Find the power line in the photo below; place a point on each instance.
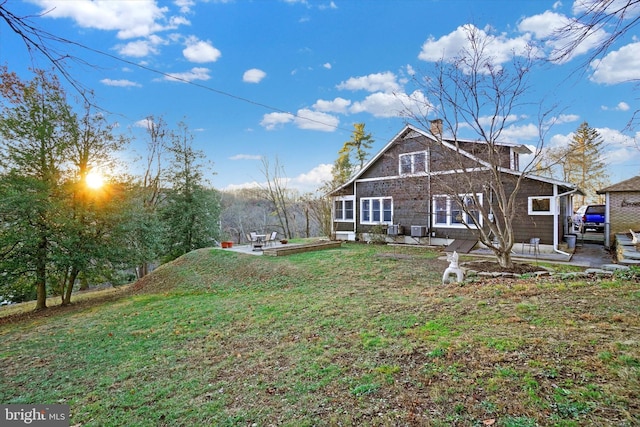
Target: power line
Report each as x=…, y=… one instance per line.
x=35, y=38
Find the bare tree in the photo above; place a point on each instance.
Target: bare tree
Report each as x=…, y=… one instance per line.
x=55, y=49
x=473, y=94
x=603, y=20
x=146, y=244
x=619, y=17
x=275, y=191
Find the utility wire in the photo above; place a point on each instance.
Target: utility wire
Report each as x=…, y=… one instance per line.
x=35, y=38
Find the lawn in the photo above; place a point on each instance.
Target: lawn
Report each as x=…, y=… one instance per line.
x=361, y=335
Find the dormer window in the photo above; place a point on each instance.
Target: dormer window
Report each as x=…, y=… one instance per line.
x=413, y=163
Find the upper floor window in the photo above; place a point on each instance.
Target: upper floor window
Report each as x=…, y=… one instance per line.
x=412, y=163
x=376, y=210
x=343, y=209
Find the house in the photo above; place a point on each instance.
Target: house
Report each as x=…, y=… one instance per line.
x=412, y=190
x=622, y=204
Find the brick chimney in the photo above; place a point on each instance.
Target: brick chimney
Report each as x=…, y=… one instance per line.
x=436, y=127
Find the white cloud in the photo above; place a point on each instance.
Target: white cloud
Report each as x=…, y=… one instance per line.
x=499, y=48
x=327, y=65
x=331, y=5
x=252, y=184
x=130, y=19
x=185, y=5
x=200, y=51
x=304, y=119
x=619, y=148
x=566, y=118
x=547, y=26
x=253, y=75
x=338, y=105
x=196, y=73
x=487, y=120
x=246, y=157
x=313, y=179
x=410, y=70
x=306, y=182
x=316, y=120
x=385, y=82
x=543, y=25
x=141, y=48
x=516, y=134
x=272, y=121
x=144, y=123
x=383, y=104
x=618, y=66
x=119, y=83
x=622, y=106
x=621, y=8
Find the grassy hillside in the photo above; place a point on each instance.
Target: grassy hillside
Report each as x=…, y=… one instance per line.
x=362, y=335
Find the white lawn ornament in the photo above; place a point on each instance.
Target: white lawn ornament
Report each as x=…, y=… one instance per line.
x=453, y=268
x=634, y=237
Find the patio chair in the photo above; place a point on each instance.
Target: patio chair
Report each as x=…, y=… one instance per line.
x=271, y=239
x=257, y=240
x=534, y=243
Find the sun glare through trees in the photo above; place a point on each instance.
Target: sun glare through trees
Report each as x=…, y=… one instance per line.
x=94, y=180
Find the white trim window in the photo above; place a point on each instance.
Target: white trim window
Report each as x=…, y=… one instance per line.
x=541, y=205
x=413, y=163
x=343, y=209
x=448, y=212
x=376, y=210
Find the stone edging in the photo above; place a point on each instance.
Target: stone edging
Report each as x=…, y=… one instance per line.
x=606, y=270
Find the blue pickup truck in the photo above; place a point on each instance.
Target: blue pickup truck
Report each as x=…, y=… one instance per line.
x=589, y=216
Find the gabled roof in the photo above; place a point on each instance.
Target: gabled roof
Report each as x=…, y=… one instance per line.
x=631, y=184
x=449, y=143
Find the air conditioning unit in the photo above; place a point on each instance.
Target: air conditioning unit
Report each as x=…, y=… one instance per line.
x=395, y=230
x=418, y=231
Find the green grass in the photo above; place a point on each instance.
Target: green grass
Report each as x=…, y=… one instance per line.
x=362, y=335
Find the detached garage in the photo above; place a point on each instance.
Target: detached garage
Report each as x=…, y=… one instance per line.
x=623, y=208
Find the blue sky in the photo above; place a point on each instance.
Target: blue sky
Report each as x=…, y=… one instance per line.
x=244, y=65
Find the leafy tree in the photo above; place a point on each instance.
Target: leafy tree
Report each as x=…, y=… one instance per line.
x=471, y=93
x=342, y=169
x=583, y=164
x=92, y=146
x=357, y=147
x=36, y=127
x=141, y=231
x=54, y=227
x=191, y=212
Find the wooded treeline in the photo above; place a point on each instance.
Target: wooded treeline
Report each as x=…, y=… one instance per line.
x=71, y=216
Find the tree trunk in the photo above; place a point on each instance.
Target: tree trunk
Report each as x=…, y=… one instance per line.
x=41, y=301
x=504, y=259
x=84, y=283
x=142, y=270
x=66, y=300
x=41, y=275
